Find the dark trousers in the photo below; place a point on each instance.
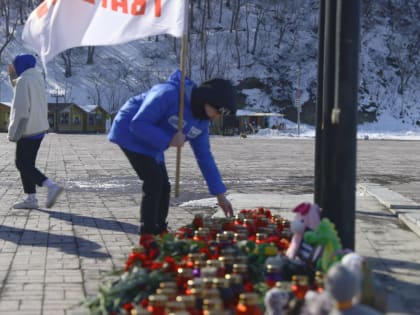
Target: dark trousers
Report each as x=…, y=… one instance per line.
x=26, y=152
x=156, y=192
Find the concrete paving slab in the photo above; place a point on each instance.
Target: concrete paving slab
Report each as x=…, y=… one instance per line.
x=391, y=199
x=59, y=256
x=407, y=210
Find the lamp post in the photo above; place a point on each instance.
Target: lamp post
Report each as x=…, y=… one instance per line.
x=335, y=156
x=57, y=92
x=298, y=105
x=298, y=102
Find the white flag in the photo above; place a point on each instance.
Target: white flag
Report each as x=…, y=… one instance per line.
x=57, y=25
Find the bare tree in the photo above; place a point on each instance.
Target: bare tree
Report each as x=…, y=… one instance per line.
x=237, y=49
x=235, y=26
x=208, y=9
x=220, y=11
x=285, y=16
x=403, y=46
x=68, y=91
x=90, y=54
x=247, y=28
x=10, y=24
x=191, y=15
x=219, y=61
x=96, y=88
x=203, y=25
x=235, y=15
x=114, y=97
x=260, y=13
x=66, y=56
x=204, y=42
x=21, y=7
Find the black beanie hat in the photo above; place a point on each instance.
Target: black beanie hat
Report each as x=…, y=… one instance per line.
x=218, y=93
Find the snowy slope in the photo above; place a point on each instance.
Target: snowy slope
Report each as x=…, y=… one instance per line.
x=284, y=60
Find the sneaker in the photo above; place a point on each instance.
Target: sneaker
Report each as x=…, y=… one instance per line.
x=26, y=204
x=52, y=195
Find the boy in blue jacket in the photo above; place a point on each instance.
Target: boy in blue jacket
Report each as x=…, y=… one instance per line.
x=147, y=125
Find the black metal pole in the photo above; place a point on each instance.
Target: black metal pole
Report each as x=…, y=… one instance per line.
x=325, y=99
x=319, y=101
x=340, y=113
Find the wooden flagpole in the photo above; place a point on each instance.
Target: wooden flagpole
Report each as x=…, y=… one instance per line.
x=181, y=98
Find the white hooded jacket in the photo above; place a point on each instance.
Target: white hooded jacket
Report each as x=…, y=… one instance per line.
x=29, y=111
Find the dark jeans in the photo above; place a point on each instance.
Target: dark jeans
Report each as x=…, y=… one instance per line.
x=26, y=152
x=156, y=192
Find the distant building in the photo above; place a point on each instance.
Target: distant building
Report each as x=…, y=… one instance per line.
x=71, y=117
x=247, y=122
x=4, y=115
x=66, y=117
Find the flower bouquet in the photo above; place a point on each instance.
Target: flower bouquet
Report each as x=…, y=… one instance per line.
x=216, y=266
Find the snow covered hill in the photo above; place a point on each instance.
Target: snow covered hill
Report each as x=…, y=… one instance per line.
x=268, y=48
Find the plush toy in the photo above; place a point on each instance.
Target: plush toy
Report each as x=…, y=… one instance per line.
x=275, y=301
x=343, y=286
x=354, y=262
x=300, y=256
x=370, y=293
x=307, y=217
x=326, y=236
x=317, y=303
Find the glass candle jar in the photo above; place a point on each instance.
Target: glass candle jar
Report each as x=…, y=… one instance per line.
x=213, y=304
x=260, y=238
x=235, y=282
x=225, y=290
x=318, y=281
x=183, y=275
x=242, y=270
x=248, y=304
x=227, y=262
x=157, y=304
x=202, y=234
x=272, y=275
x=300, y=285
x=169, y=292
x=190, y=304
x=218, y=265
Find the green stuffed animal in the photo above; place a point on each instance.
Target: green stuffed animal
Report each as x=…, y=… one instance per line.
x=325, y=235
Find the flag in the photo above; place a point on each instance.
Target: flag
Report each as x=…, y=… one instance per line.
x=57, y=25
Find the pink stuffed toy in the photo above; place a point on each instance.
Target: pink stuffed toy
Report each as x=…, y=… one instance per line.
x=307, y=217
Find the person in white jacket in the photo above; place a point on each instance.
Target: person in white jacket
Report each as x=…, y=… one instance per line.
x=27, y=127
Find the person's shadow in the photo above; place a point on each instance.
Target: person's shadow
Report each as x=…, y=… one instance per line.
x=69, y=244
x=103, y=224
x=397, y=278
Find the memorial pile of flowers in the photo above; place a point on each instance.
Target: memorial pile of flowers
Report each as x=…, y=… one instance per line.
x=217, y=266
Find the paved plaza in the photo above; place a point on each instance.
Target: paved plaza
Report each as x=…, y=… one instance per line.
x=51, y=259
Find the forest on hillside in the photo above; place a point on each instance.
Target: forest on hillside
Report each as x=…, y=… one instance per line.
x=268, y=47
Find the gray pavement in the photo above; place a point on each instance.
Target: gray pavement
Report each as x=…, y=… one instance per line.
x=51, y=259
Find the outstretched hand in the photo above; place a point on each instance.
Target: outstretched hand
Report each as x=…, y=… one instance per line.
x=225, y=204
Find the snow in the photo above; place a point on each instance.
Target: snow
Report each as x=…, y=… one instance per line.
x=257, y=99
x=386, y=128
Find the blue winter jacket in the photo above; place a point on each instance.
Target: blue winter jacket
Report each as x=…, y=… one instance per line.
x=147, y=122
